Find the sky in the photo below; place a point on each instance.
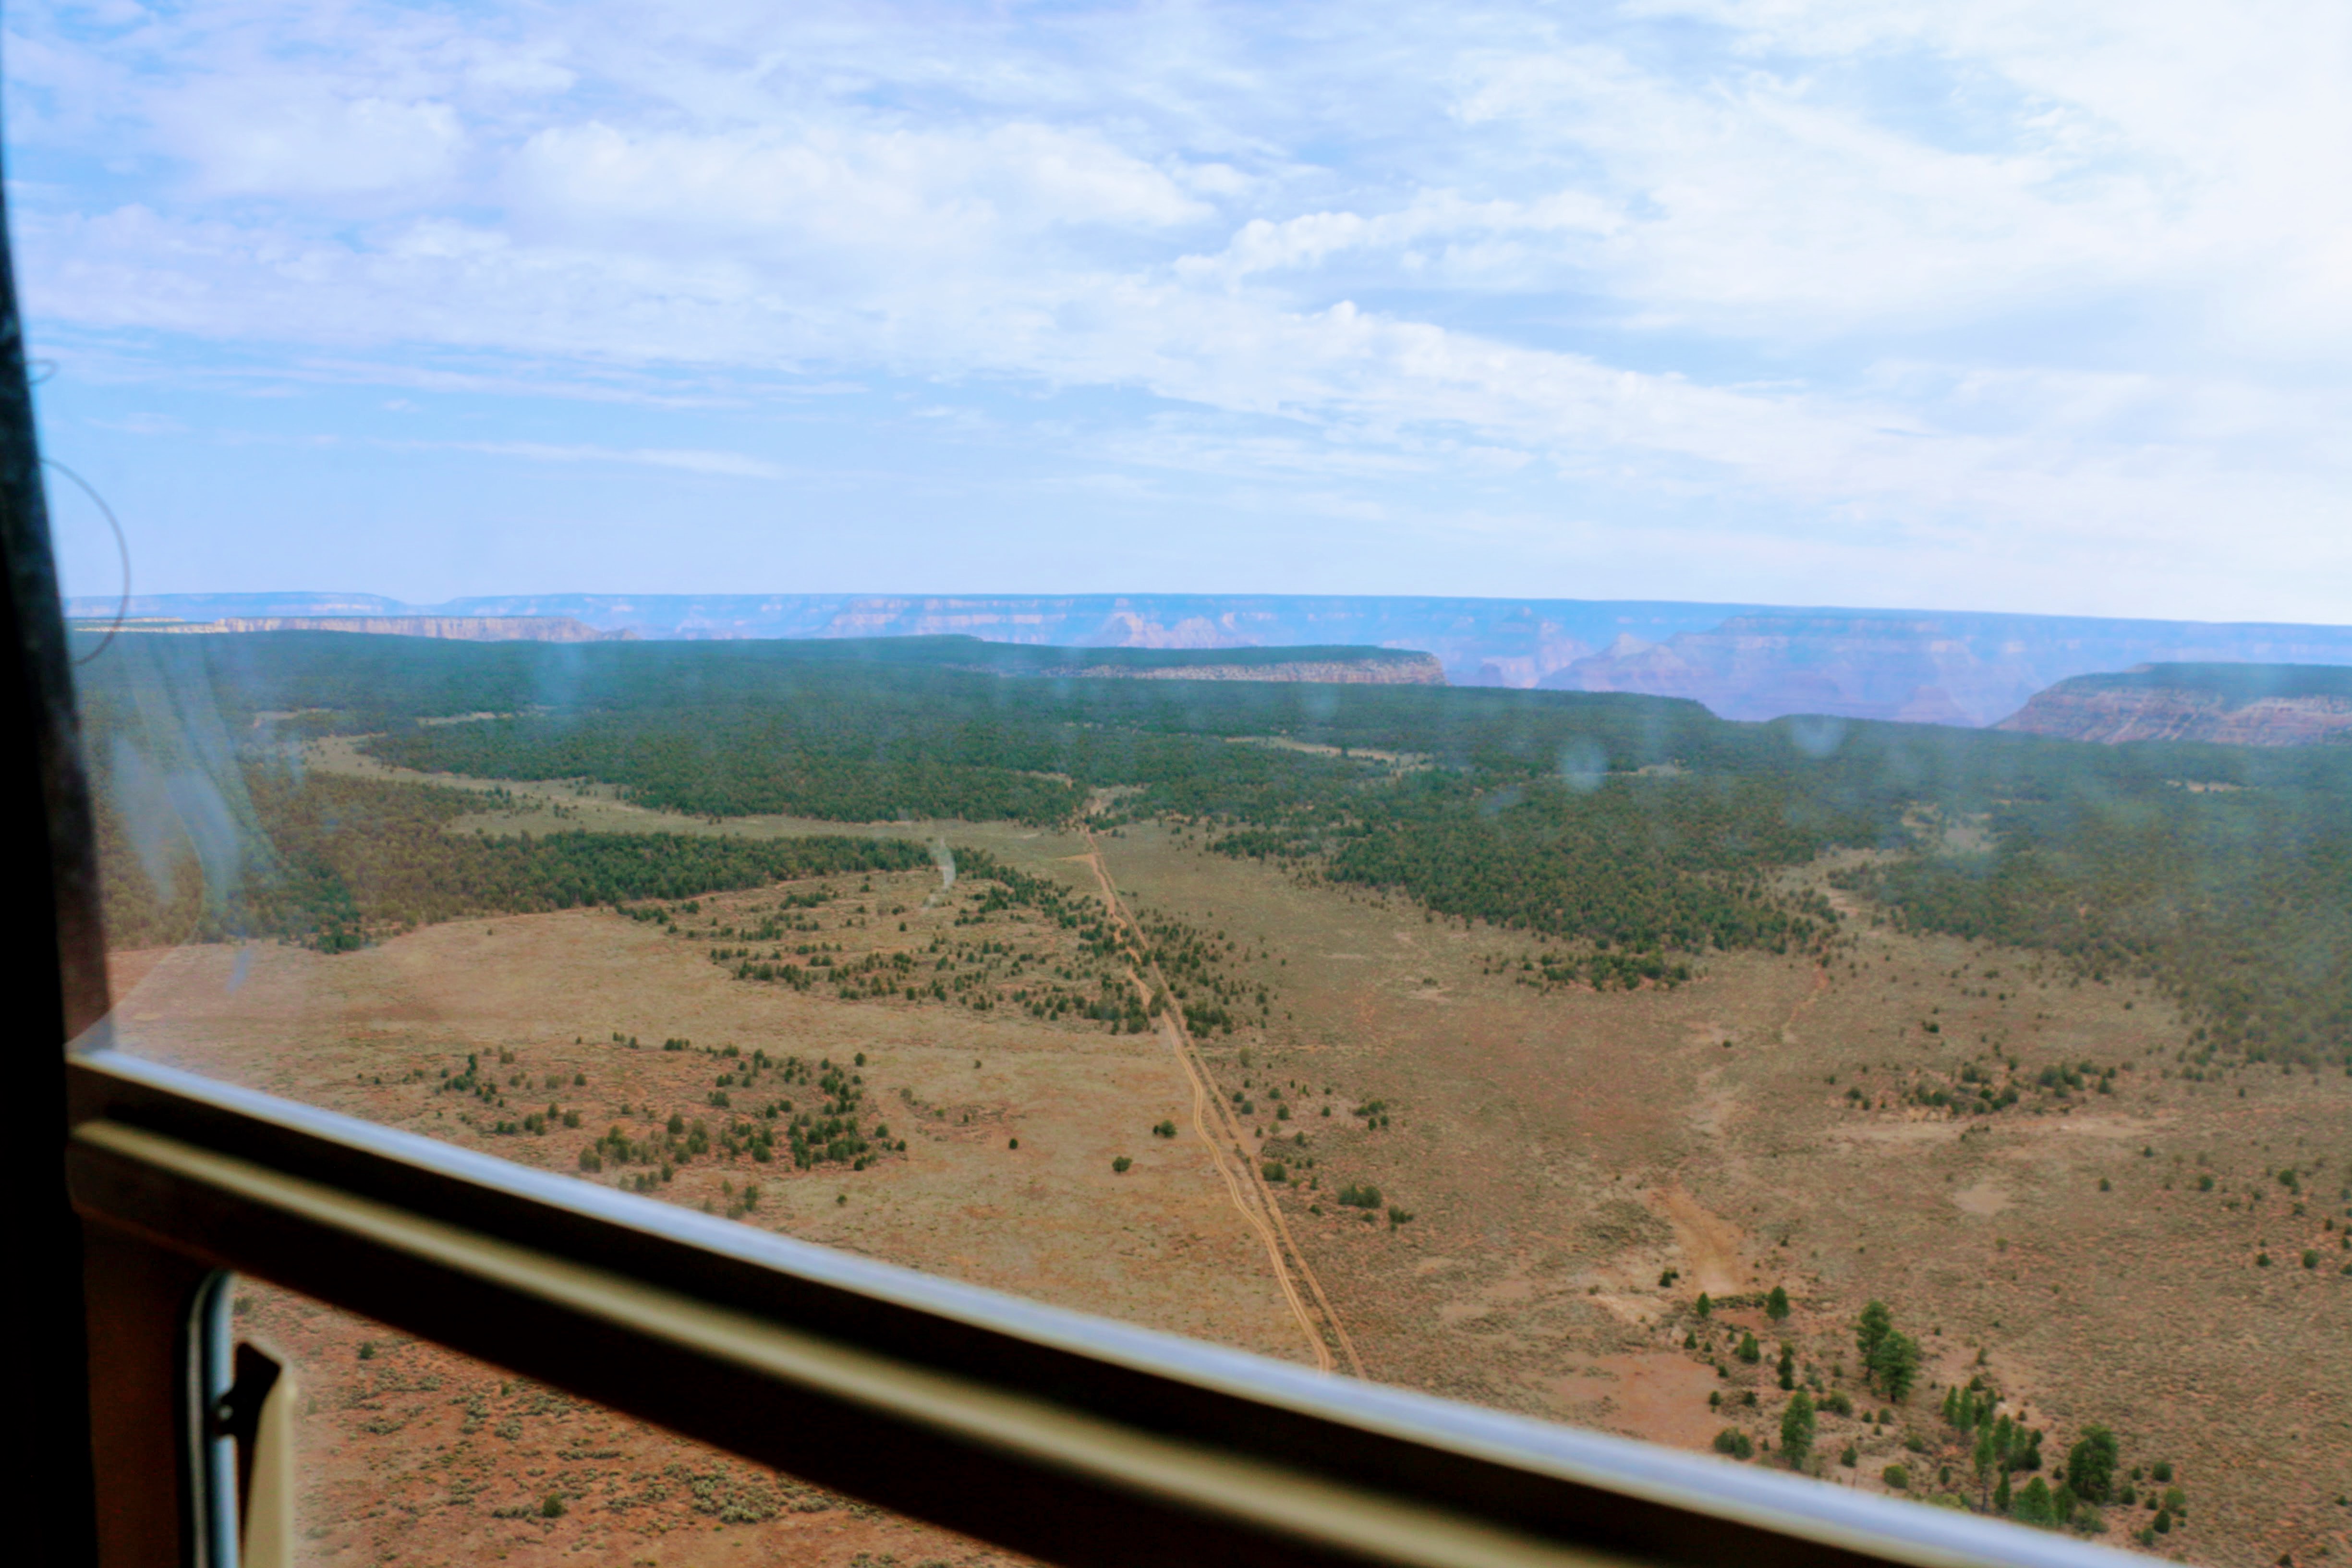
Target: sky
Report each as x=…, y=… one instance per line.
x=2002, y=306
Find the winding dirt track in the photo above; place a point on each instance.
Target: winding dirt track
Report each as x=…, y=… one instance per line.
x=1820, y=986
x=1213, y=1121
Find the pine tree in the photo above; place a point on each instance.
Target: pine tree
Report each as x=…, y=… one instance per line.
x=1775, y=1305
x=1895, y=1360
x=1797, y=1425
x=2091, y=1464
x=1875, y=1324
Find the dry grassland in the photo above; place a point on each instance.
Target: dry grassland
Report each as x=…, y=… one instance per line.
x=539, y=998
x=1557, y=1154
x=1561, y=1153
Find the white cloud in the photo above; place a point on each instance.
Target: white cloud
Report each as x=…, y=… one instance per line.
x=728, y=465
x=859, y=193
x=314, y=143
x=2010, y=272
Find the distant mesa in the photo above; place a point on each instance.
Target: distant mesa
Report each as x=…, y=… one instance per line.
x=461, y=628
x=2226, y=704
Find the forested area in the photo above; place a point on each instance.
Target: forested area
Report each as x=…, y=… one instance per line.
x=2238, y=903
x=1642, y=830
x=334, y=862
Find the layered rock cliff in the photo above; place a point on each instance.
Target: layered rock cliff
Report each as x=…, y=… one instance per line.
x=1400, y=670
x=2231, y=705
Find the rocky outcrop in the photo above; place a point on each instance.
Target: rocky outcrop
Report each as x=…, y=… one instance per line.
x=2229, y=705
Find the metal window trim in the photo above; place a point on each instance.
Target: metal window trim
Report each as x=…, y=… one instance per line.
x=1051, y=1432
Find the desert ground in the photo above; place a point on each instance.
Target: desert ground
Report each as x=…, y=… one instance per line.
x=1560, y=1174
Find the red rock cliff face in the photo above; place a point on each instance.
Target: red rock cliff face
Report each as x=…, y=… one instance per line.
x=2090, y=708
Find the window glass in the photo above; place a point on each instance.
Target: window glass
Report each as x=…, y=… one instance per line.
x=1174, y=659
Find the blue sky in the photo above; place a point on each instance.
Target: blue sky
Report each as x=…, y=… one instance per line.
x=2004, y=305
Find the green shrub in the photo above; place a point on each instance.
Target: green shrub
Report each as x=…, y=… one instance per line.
x=1275, y=1171
x=1731, y=1440
x=1749, y=1351
x=552, y=1506
x=1120, y=1164
x=1896, y=1476
x=1775, y=1305
x=1361, y=1197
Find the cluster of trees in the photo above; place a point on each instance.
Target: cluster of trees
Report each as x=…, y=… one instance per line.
x=832, y=1130
x=1984, y=1087
x=1191, y=959
x=1598, y=971
x=662, y=1151
x=1978, y=1438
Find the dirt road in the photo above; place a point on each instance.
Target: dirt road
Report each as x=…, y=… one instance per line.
x=1215, y=1122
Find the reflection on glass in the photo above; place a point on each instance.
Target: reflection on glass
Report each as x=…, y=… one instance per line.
x=406, y=1452
x=1880, y=1042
